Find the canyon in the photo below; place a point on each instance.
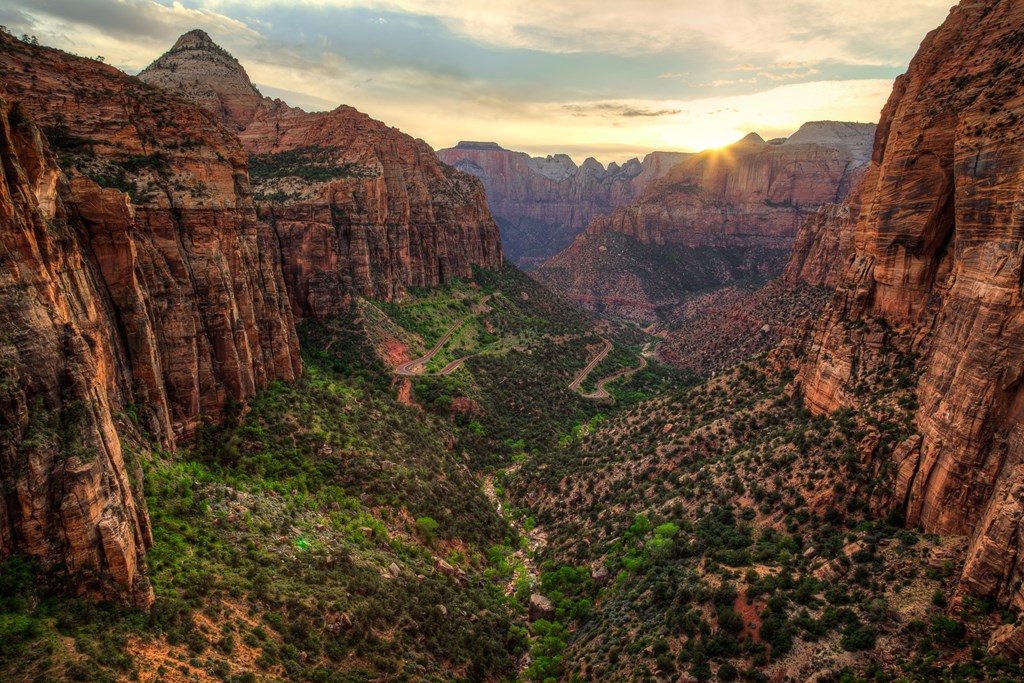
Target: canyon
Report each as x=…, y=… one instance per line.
x=211, y=304
x=718, y=218
x=542, y=204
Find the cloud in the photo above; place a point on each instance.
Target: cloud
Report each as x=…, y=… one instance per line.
x=612, y=110
x=732, y=81
x=604, y=76
x=131, y=19
x=884, y=32
x=129, y=33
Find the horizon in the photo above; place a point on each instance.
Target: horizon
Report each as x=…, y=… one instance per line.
x=534, y=79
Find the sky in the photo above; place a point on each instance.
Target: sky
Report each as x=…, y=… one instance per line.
x=603, y=78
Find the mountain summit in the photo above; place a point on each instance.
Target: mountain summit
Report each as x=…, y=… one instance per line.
x=358, y=206
x=207, y=74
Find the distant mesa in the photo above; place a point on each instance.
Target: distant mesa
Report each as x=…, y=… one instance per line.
x=480, y=146
x=713, y=220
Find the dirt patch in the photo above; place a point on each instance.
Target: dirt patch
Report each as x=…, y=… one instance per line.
x=404, y=395
x=751, y=613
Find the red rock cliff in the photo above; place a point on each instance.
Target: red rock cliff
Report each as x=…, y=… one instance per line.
x=68, y=492
x=541, y=204
x=937, y=252
x=748, y=194
x=357, y=207
x=174, y=236
x=134, y=274
x=719, y=217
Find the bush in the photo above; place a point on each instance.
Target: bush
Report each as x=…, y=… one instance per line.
x=728, y=672
x=858, y=637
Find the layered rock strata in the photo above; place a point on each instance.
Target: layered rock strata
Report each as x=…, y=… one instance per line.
x=135, y=280
x=937, y=253
x=356, y=207
x=720, y=217
x=541, y=203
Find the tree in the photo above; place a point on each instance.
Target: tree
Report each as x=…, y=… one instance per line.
x=427, y=527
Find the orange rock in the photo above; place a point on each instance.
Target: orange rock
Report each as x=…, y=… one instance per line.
x=384, y=215
x=730, y=214
x=937, y=253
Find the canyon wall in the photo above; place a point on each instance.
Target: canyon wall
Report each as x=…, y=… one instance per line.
x=720, y=217
x=541, y=204
x=136, y=281
x=70, y=491
x=357, y=207
x=937, y=254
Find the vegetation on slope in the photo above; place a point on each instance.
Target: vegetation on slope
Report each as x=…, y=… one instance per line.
x=725, y=532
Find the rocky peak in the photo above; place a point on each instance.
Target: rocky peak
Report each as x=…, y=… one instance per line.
x=857, y=138
x=196, y=38
x=206, y=73
x=382, y=214
x=752, y=139
x=557, y=167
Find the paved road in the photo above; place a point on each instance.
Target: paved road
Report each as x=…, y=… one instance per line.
x=575, y=384
x=417, y=367
x=601, y=392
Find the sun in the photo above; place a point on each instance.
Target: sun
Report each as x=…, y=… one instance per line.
x=696, y=137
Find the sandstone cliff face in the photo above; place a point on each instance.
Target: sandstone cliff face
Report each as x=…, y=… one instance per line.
x=541, y=204
x=356, y=207
x=70, y=493
x=937, y=254
x=174, y=235
x=134, y=277
x=718, y=218
x=822, y=246
x=748, y=194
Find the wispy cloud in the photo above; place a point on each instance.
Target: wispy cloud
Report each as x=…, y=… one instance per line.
x=612, y=110
x=618, y=77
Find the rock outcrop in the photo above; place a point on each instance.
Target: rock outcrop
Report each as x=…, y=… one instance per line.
x=68, y=492
x=718, y=218
x=542, y=203
x=135, y=279
x=937, y=254
x=356, y=207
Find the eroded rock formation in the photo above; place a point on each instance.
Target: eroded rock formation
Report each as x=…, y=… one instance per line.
x=70, y=491
x=135, y=278
x=540, y=203
x=937, y=253
x=719, y=217
x=357, y=207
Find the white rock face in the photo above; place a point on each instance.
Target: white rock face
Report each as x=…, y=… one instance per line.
x=858, y=138
x=205, y=73
x=557, y=167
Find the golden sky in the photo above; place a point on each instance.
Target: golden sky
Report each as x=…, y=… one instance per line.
x=609, y=79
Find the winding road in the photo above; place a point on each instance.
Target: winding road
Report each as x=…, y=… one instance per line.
x=601, y=392
x=415, y=368
x=580, y=378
